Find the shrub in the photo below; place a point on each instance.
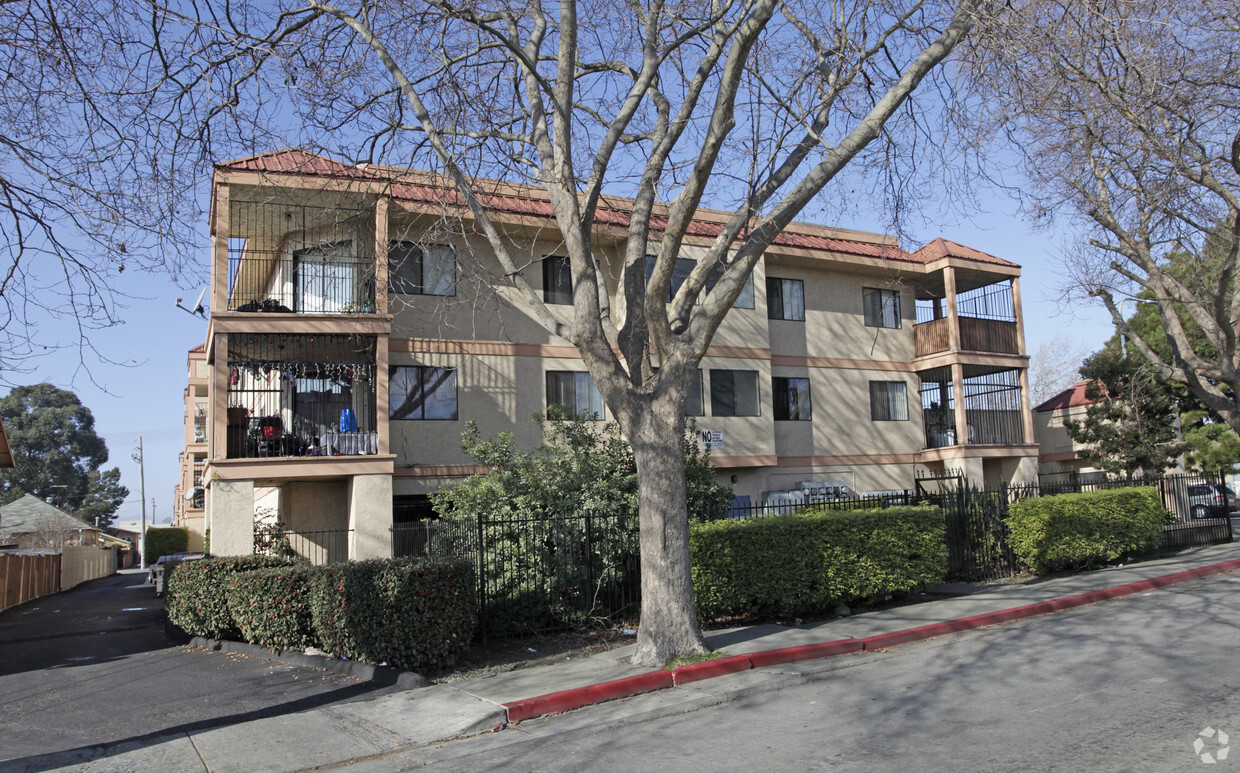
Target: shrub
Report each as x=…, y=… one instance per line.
x=165, y=542
x=271, y=607
x=196, y=592
x=807, y=562
x=408, y=613
x=1076, y=531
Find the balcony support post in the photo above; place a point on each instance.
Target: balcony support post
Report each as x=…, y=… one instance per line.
x=962, y=427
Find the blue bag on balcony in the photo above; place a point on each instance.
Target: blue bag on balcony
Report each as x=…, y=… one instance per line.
x=347, y=422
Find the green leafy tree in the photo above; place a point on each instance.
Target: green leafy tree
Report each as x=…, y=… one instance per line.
x=581, y=466
x=1212, y=445
x=1130, y=425
x=57, y=455
x=563, y=572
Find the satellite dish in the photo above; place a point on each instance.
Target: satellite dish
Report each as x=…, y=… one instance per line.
x=197, y=308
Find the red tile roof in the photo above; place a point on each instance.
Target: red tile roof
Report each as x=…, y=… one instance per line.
x=198, y=348
x=531, y=201
x=944, y=248
x=1071, y=397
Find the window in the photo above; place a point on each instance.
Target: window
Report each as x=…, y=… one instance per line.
x=882, y=307
x=785, y=299
x=734, y=393
x=422, y=392
x=557, y=280
x=791, y=398
x=682, y=270
x=575, y=390
x=693, y=407
x=888, y=401
x=415, y=269
x=744, y=300
x=323, y=278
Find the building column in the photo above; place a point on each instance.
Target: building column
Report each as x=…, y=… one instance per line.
x=217, y=402
x=230, y=511
x=953, y=316
x=370, y=516
x=1026, y=408
x=962, y=426
x=219, y=249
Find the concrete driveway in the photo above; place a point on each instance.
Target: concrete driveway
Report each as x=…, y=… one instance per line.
x=91, y=668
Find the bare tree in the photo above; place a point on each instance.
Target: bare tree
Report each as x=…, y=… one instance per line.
x=1055, y=366
x=1125, y=114
x=50, y=533
x=753, y=106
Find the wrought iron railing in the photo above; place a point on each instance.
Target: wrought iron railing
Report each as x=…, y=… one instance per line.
x=301, y=395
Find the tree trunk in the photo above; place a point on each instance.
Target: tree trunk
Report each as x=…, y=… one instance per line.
x=669, y=622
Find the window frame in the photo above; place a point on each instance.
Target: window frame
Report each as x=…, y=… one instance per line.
x=556, y=268
x=592, y=391
x=423, y=372
x=416, y=284
x=327, y=264
x=776, y=303
x=781, y=404
x=717, y=378
x=888, y=401
x=880, y=321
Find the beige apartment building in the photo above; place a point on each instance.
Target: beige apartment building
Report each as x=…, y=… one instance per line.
x=189, y=496
x=358, y=321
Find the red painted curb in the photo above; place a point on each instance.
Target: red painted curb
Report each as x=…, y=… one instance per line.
x=576, y=697
x=564, y=700
x=1044, y=607
x=804, y=652
x=707, y=669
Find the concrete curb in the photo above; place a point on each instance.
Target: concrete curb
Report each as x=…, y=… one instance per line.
x=565, y=700
x=366, y=672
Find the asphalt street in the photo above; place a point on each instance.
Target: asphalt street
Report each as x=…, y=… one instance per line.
x=1126, y=685
x=92, y=668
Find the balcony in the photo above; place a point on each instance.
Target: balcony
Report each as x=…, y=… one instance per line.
x=986, y=317
x=992, y=408
x=976, y=335
x=301, y=395
x=298, y=259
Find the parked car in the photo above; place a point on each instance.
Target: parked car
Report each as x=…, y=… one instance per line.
x=158, y=569
x=1211, y=500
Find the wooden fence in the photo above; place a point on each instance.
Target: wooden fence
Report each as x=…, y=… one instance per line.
x=23, y=578
x=82, y=564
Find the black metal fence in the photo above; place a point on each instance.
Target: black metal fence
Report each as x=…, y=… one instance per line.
x=547, y=573
x=322, y=546
x=539, y=573
x=977, y=535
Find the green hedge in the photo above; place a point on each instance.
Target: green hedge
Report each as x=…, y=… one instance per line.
x=165, y=542
x=196, y=593
x=271, y=607
x=808, y=562
x=1077, y=531
x=408, y=613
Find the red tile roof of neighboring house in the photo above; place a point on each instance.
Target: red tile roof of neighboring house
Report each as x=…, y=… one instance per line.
x=198, y=348
x=1071, y=397
x=529, y=200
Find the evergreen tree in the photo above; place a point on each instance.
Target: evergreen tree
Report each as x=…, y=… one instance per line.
x=56, y=454
x=1130, y=425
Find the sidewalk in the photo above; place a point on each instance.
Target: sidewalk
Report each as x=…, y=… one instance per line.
x=756, y=658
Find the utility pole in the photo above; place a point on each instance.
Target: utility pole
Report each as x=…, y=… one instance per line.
x=137, y=457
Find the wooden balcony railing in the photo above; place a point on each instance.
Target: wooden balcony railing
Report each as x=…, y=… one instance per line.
x=976, y=335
